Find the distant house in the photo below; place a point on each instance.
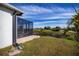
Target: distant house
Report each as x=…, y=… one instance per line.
x=8, y=25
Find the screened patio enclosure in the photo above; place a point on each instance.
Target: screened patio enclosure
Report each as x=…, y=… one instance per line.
x=24, y=27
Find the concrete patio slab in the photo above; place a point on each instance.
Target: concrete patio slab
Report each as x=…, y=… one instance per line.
x=28, y=38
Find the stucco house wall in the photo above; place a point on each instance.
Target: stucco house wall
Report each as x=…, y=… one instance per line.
x=5, y=29
x=8, y=18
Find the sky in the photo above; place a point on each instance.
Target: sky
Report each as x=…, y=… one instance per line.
x=47, y=14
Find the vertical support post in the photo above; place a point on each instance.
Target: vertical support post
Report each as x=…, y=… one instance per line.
x=14, y=29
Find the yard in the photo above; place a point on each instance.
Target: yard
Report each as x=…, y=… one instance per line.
x=50, y=46
x=47, y=46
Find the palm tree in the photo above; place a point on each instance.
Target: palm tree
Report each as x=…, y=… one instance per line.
x=76, y=24
x=74, y=21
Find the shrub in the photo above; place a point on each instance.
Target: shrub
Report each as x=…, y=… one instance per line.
x=70, y=35
x=56, y=28
x=43, y=32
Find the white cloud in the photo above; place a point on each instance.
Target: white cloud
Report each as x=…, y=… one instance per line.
x=32, y=9
x=67, y=14
x=50, y=16
x=58, y=9
x=50, y=22
x=61, y=9
x=57, y=17
x=56, y=12
x=44, y=22
x=63, y=15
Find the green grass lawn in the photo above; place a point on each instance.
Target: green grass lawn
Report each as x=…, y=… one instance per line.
x=5, y=51
x=48, y=46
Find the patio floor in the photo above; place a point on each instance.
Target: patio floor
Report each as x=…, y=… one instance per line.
x=28, y=38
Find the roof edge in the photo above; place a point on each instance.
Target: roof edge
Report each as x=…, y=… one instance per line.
x=11, y=7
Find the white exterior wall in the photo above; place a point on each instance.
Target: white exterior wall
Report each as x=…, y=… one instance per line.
x=5, y=29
